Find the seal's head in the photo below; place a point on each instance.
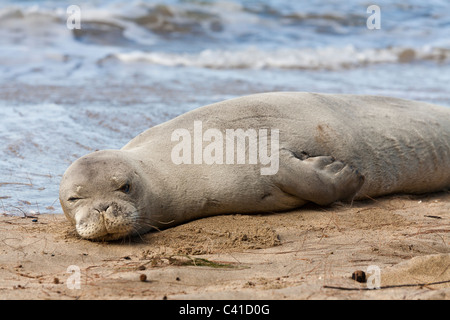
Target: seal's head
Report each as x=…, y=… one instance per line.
x=103, y=195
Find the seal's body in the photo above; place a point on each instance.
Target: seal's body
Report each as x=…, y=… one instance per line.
x=329, y=148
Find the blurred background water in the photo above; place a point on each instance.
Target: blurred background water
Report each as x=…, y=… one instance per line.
x=134, y=64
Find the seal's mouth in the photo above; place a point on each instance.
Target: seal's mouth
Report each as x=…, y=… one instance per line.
x=112, y=223
x=101, y=233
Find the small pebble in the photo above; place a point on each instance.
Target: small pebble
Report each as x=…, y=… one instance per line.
x=359, y=276
x=34, y=220
x=143, y=277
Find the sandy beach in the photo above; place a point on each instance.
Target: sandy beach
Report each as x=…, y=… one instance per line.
x=309, y=253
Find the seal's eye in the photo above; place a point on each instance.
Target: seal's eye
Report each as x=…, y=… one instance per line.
x=73, y=199
x=125, y=188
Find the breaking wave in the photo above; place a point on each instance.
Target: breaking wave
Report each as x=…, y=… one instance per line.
x=328, y=58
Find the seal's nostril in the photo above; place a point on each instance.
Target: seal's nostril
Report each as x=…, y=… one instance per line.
x=102, y=208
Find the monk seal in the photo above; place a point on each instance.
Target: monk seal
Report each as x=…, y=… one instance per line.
x=330, y=147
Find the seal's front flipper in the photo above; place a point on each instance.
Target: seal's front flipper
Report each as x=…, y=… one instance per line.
x=322, y=180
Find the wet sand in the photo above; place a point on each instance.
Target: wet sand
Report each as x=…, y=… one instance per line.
x=309, y=253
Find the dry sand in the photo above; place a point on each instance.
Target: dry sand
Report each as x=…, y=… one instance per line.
x=309, y=253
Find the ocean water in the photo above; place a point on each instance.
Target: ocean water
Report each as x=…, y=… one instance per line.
x=133, y=64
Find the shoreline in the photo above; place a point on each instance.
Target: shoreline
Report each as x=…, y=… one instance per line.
x=308, y=253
